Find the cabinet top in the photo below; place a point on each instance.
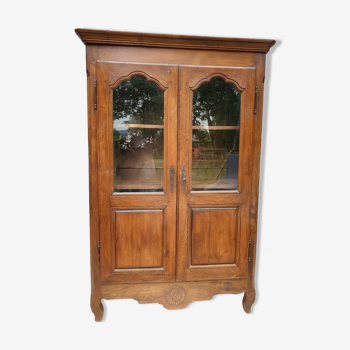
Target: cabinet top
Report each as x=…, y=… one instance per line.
x=106, y=37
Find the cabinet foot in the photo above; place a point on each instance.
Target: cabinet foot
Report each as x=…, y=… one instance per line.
x=248, y=300
x=97, y=309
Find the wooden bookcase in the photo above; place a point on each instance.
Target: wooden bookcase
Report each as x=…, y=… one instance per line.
x=174, y=152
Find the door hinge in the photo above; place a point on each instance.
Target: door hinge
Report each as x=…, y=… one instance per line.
x=98, y=253
x=95, y=87
x=255, y=100
x=250, y=243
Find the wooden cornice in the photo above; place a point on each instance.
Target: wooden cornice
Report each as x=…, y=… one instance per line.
x=106, y=37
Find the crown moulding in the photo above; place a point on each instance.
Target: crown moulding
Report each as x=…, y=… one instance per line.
x=106, y=37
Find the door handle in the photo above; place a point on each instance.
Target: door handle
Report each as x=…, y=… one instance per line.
x=183, y=179
x=172, y=172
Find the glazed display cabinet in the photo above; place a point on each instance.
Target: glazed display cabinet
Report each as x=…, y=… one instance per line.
x=174, y=151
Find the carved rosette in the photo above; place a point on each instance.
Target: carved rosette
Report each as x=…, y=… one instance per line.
x=175, y=295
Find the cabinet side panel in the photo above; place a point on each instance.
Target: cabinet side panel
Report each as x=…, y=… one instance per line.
x=96, y=296
x=260, y=78
x=94, y=218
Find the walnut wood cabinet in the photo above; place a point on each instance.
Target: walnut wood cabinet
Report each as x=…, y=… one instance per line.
x=174, y=151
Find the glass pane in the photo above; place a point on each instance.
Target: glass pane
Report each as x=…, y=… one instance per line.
x=215, y=136
x=138, y=136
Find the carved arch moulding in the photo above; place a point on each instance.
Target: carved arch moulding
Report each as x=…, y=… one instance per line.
x=155, y=73
x=236, y=76
x=218, y=75
x=140, y=73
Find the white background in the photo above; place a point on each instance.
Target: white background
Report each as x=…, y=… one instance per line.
x=304, y=237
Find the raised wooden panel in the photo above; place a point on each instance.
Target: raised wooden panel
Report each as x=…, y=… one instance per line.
x=138, y=238
x=214, y=233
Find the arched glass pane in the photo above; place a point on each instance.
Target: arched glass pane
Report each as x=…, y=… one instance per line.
x=138, y=136
x=215, y=136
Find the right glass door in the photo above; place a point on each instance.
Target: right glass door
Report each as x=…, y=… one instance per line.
x=216, y=107
x=215, y=157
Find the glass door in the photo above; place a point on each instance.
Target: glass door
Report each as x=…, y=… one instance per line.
x=138, y=136
x=216, y=107
x=137, y=161
x=215, y=155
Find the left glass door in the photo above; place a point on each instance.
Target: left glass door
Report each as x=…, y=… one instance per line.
x=137, y=155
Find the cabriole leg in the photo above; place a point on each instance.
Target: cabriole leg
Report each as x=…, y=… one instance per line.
x=248, y=300
x=97, y=308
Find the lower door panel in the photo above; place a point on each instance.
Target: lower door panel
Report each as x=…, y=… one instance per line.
x=216, y=244
x=138, y=246
x=215, y=235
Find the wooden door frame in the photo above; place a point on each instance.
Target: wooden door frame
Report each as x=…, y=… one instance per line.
x=190, y=77
x=109, y=76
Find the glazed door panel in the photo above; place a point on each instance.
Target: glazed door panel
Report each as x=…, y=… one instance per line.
x=137, y=162
x=215, y=162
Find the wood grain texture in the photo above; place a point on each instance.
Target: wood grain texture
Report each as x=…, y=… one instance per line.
x=91, y=36
x=95, y=300
x=203, y=74
x=214, y=234
x=138, y=201
x=175, y=295
x=126, y=71
x=171, y=140
x=138, y=238
x=249, y=296
x=216, y=199
x=151, y=55
x=184, y=147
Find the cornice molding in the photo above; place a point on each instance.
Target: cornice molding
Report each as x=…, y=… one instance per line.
x=106, y=37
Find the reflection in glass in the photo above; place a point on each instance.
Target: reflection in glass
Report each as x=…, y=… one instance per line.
x=215, y=136
x=138, y=139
